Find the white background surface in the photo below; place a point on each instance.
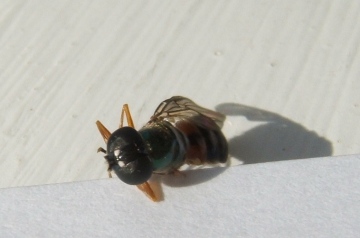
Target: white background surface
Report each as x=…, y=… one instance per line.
x=282, y=200
x=286, y=74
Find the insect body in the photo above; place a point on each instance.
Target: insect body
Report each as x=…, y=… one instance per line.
x=180, y=132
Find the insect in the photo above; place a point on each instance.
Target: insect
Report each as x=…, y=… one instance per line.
x=180, y=132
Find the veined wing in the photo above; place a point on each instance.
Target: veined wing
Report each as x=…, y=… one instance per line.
x=179, y=107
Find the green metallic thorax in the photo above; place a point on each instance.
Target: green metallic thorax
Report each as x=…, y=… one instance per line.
x=165, y=146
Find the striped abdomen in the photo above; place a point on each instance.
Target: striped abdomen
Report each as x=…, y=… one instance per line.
x=205, y=141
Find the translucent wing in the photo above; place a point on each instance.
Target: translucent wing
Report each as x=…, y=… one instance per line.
x=177, y=108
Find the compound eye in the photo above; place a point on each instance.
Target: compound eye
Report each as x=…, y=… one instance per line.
x=116, y=156
x=117, y=153
x=135, y=172
x=126, y=144
x=127, y=156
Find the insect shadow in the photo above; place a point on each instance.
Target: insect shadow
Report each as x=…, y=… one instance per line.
x=276, y=139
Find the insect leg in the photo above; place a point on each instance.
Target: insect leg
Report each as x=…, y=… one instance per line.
x=103, y=131
x=109, y=172
x=145, y=188
x=101, y=150
x=129, y=120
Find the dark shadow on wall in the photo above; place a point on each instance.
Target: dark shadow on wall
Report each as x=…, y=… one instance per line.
x=279, y=139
